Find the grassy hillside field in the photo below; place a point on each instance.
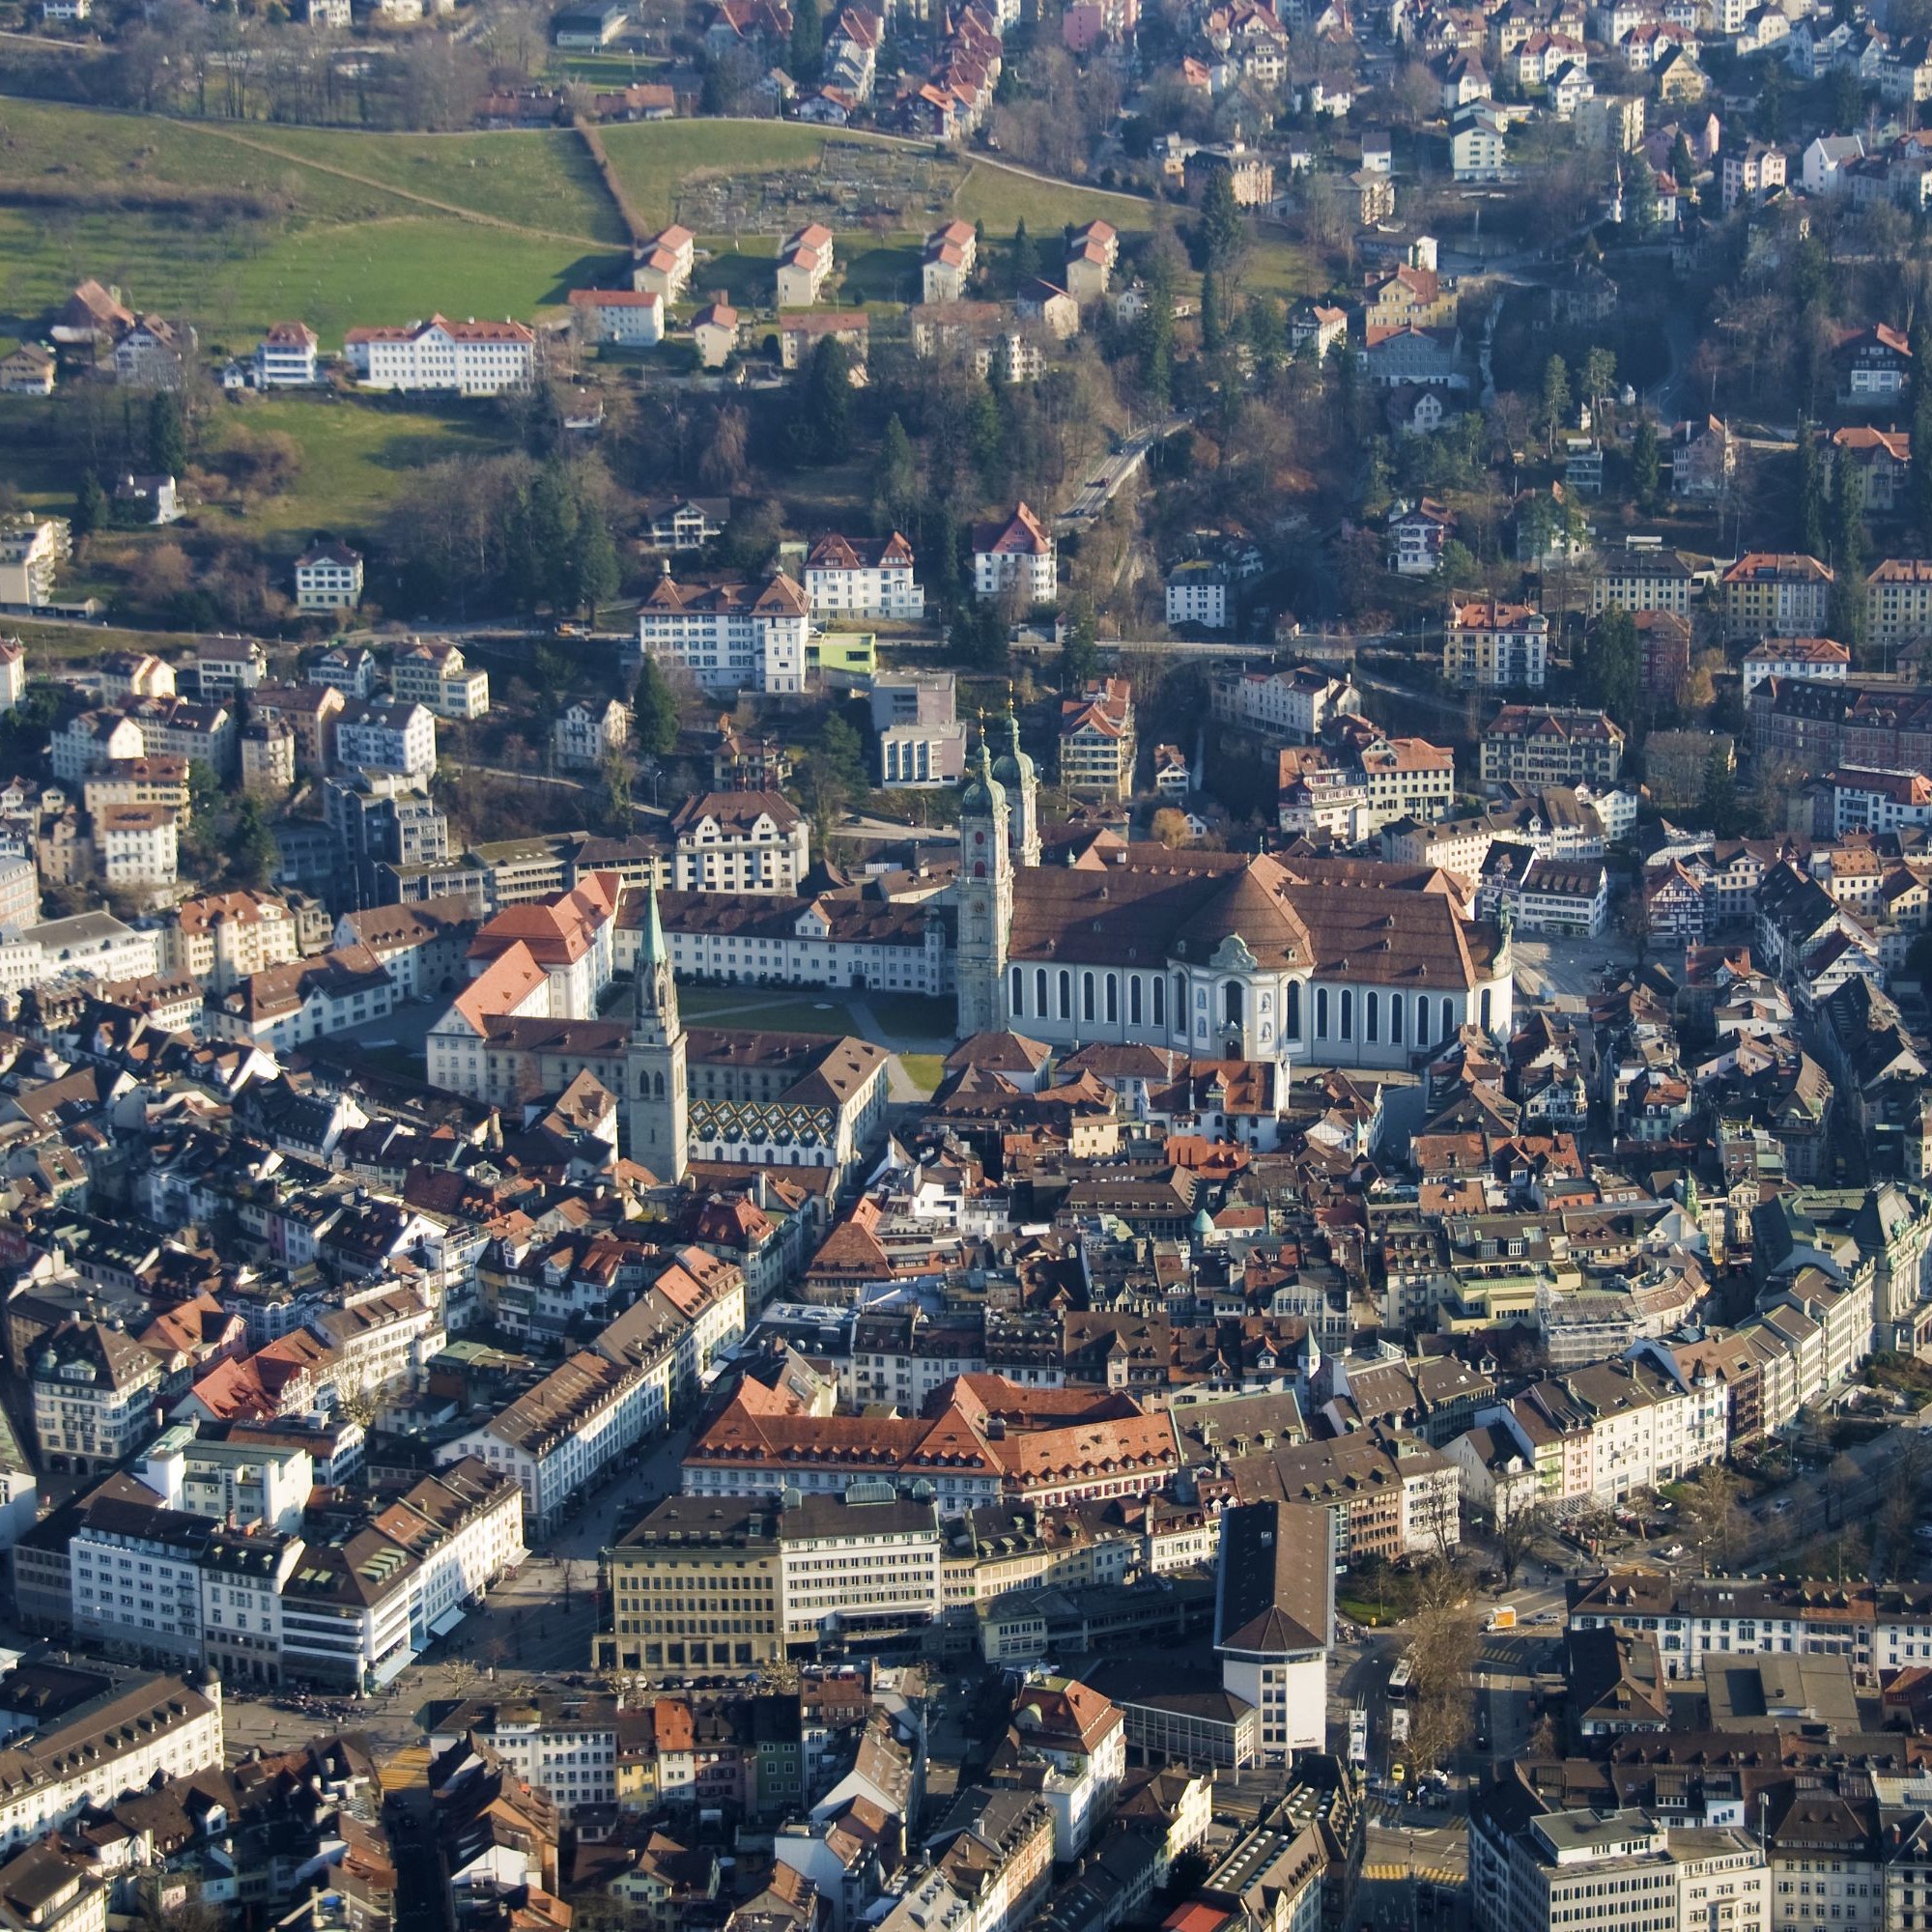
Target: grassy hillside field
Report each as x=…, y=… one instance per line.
x=238, y=226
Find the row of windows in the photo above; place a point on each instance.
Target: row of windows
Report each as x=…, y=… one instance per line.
x=1053, y=995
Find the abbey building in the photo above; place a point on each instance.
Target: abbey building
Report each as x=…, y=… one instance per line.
x=1329, y=963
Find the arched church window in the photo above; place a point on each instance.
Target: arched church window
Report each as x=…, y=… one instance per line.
x=1085, y=996
x=1372, y=1016
x=1019, y=993
x=1348, y=1013
x=1395, y=1019
x=1294, y=1009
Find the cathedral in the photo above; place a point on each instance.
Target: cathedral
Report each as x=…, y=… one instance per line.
x=1330, y=963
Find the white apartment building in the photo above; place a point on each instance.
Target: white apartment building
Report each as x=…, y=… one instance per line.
x=138, y=1579
x=1197, y=593
x=662, y=263
x=31, y=554
x=242, y=1575
x=1297, y=703
x=1491, y=646
x=329, y=578
x=952, y=253
x=285, y=358
x=12, y=672
x=437, y=676
x=728, y=635
x=1610, y=1872
x=225, y=665
x=240, y=1483
x=1406, y=778
x=1016, y=558
x=465, y=358
x=624, y=317
x=563, y=1748
x=1274, y=1618
x=1866, y=801
x=588, y=732
x=804, y=263
x=94, y=1396
x=382, y=735
x=139, y=844
x=1624, y=1426
x=90, y=740
x=1082, y=1740
x=1821, y=658
x=868, y=1561
x=306, y=999
x=739, y=841
x=465, y=1524
x=19, y=894
x=556, y=1437
x=345, y=1612
x=863, y=576
x=382, y=1341
x=1692, y=1619
x=1898, y=600
x=217, y=938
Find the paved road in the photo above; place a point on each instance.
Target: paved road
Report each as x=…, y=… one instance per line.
x=1438, y=1852
x=1098, y=490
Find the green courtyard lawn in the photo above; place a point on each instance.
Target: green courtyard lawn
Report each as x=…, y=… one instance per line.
x=767, y=1009
x=924, y=1070
x=915, y=1015
x=912, y=1018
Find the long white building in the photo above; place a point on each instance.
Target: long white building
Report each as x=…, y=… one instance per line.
x=553, y=1439
x=465, y=358
x=111, y=1742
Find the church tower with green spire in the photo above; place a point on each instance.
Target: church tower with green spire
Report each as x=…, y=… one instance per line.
x=656, y=1097
x=985, y=894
